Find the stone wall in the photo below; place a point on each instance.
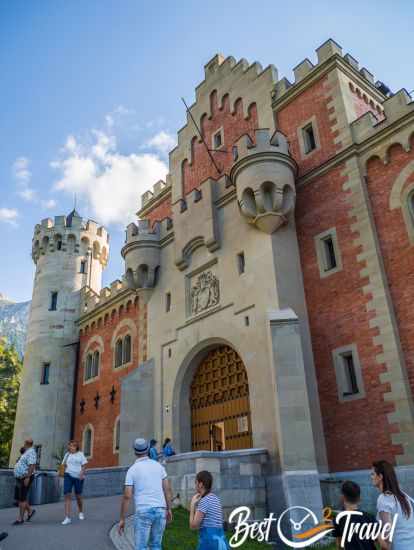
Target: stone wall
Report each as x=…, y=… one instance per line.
x=239, y=478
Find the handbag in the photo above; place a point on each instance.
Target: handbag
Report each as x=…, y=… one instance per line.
x=62, y=467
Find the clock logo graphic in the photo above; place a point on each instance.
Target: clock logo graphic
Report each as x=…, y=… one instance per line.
x=304, y=538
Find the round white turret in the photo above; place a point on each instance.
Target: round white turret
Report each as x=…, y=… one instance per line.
x=70, y=253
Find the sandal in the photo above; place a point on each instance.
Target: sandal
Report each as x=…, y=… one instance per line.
x=29, y=517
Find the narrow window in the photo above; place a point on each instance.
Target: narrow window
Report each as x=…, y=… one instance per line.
x=241, y=263
x=351, y=387
x=309, y=138
x=88, y=366
x=44, y=379
x=53, y=301
x=217, y=140
x=118, y=353
x=127, y=349
x=117, y=436
x=329, y=253
x=168, y=302
x=235, y=152
x=247, y=321
x=95, y=364
x=87, y=442
x=83, y=266
x=59, y=245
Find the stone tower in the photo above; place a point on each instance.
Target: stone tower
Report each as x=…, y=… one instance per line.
x=70, y=253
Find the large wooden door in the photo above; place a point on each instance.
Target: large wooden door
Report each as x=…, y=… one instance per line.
x=220, y=407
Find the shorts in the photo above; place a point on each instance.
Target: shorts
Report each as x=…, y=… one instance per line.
x=70, y=482
x=21, y=491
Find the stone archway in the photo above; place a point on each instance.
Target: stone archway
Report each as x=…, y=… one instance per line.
x=219, y=402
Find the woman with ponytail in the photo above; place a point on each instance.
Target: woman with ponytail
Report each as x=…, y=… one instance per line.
x=393, y=502
x=206, y=514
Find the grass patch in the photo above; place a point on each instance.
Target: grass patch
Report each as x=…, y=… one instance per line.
x=178, y=536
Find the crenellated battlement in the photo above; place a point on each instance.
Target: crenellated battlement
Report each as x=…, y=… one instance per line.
x=70, y=234
x=395, y=107
x=159, y=189
x=327, y=50
x=92, y=300
x=229, y=81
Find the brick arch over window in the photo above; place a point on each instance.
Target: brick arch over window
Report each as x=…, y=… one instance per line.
x=122, y=342
x=92, y=358
x=401, y=194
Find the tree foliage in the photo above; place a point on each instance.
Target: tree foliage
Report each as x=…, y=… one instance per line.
x=10, y=371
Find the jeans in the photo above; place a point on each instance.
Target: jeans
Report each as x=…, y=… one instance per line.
x=149, y=525
x=212, y=538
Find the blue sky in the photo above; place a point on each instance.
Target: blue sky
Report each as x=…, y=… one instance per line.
x=90, y=94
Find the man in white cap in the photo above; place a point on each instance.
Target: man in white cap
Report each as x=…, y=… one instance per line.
x=147, y=481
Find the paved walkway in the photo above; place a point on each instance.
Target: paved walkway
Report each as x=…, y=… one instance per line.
x=44, y=532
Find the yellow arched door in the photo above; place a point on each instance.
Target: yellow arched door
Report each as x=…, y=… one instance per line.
x=219, y=400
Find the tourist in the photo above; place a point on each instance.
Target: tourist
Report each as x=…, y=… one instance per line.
x=167, y=448
x=351, y=496
x=393, y=502
x=153, y=453
x=74, y=463
x=206, y=514
x=147, y=481
x=24, y=474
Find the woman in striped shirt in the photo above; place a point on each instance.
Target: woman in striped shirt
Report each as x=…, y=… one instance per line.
x=206, y=514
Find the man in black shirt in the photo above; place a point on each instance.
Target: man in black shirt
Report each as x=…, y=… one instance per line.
x=351, y=496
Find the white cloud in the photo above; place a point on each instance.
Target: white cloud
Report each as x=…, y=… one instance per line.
x=162, y=142
x=9, y=215
x=23, y=176
x=111, y=182
x=21, y=170
x=48, y=204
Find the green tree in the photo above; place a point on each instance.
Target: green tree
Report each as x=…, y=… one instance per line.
x=10, y=371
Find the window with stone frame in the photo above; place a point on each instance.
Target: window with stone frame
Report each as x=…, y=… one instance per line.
x=328, y=252
x=348, y=373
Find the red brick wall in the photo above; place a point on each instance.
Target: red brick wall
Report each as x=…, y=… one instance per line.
x=396, y=248
x=312, y=102
x=357, y=431
x=160, y=212
x=234, y=126
x=103, y=418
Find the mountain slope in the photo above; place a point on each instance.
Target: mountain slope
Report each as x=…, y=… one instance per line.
x=13, y=322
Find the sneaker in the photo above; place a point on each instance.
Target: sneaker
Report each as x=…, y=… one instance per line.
x=66, y=521
x=81, y=516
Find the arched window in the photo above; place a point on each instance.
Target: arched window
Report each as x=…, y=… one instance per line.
x=117, y=435
x=95, y=369
x=127, y=349
x=118, y=353
x=88, y=367
x=87, y=441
